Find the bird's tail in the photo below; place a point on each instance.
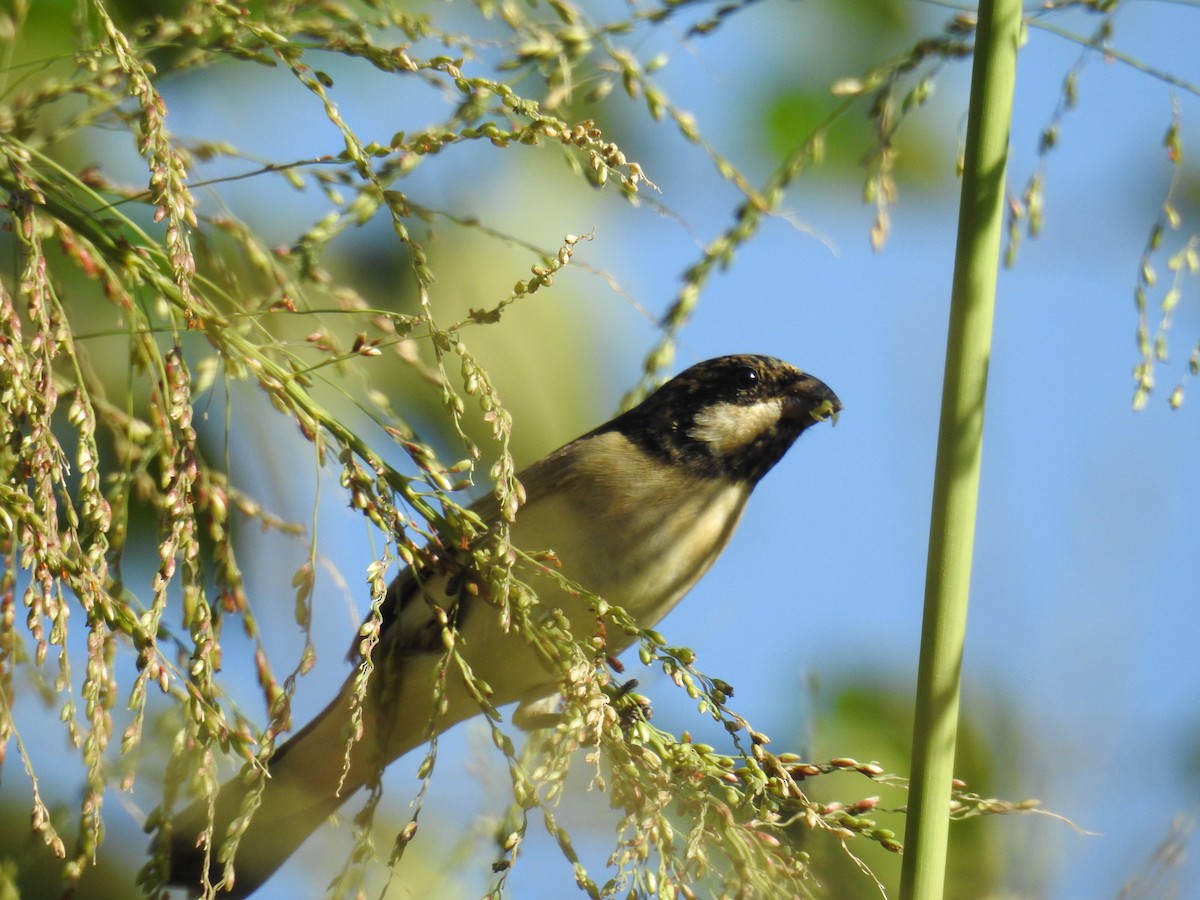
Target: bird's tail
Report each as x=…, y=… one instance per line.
x=308, y=781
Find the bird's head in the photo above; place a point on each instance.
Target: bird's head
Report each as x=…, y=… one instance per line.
x=733, y=416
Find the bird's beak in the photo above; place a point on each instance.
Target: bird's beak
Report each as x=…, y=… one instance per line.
x=813, y=399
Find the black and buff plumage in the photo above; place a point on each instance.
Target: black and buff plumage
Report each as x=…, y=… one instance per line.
x=635, y=511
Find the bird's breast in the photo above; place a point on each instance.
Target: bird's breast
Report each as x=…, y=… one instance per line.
x=632, y=530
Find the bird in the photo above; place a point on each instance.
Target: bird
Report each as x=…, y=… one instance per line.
x=634, y=512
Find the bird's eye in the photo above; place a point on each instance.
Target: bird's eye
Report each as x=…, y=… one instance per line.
x=747, y=378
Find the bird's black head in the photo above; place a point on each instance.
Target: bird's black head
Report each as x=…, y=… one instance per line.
x=733, y=416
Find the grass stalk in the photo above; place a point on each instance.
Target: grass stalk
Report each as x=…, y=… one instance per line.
x=956, y=481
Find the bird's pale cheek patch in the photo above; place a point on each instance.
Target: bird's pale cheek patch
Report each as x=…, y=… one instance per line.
x=730, y=428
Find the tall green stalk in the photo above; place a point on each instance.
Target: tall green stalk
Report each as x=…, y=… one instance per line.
x=956, y=481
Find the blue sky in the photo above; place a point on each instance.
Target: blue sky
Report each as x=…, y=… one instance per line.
x=1083, y=619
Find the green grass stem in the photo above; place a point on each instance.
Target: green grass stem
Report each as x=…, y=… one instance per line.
x=956, y=481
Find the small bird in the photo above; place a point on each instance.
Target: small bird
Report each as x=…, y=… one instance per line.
x=635, y=512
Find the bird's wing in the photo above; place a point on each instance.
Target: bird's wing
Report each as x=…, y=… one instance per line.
x=409, y=624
